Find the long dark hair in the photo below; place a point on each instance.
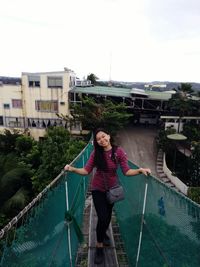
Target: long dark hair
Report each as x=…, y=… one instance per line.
x=99, y=158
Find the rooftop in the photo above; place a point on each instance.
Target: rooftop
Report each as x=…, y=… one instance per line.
x=122, y=92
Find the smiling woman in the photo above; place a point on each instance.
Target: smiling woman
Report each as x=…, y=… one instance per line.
x=106, y=157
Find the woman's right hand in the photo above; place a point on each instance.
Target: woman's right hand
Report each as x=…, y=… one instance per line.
x=68, y=168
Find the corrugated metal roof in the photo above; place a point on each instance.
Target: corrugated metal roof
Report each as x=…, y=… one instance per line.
x=120, y=92
x=102, y=90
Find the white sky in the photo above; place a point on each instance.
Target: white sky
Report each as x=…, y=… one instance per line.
x=129, y=40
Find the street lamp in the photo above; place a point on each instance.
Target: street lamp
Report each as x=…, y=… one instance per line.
x=176, y=137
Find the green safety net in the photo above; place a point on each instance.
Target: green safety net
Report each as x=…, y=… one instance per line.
x=170, y=234
x=49, y=233
x=171, y=225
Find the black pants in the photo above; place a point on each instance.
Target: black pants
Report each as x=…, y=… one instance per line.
x=104, y=213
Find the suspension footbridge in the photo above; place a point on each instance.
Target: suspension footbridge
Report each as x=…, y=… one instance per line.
x=163, y=232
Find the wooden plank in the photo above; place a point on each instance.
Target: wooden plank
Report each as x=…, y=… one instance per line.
x=110, y=259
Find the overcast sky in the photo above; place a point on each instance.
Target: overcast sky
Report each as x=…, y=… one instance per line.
x=127, y=40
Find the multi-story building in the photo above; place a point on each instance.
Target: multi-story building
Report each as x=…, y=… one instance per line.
x=33, y=101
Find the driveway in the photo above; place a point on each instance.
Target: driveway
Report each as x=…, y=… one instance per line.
x=140, y=146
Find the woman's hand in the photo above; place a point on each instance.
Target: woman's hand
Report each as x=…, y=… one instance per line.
x=80, y=171
x=145, y=171
x=68, y=168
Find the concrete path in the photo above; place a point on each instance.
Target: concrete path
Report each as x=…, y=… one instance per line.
x=140, y=145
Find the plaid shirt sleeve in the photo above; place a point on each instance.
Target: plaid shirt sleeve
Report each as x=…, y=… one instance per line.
x=90, y=163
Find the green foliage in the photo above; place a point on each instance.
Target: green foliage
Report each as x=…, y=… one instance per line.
x=7, y=163
x=8, y=140
x=195, y=164
x=12, y=181
x=28, y=152
x=57, y=150
x=17, y=202
x=74, y=149
x=163, y=142
x=194, y=194
x=107, y=114
x=24, y=144
x=181, y=102
x=192, y=131
x=29, y=166
x=93, y=78
x=3, y=220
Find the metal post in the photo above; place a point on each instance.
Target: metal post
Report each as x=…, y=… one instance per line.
x=174, y=163
x=84, y=177
x=141, y=227
x=68, y=226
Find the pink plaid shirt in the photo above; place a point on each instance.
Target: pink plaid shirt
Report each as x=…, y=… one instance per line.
x=98, y=182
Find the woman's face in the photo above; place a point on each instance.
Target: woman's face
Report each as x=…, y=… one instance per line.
x=103, y=139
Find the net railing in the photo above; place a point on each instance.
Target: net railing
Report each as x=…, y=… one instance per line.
x=171, y=224
x=48, y=233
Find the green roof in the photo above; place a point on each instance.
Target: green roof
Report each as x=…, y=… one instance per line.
x=102, y=90
x=121, y=92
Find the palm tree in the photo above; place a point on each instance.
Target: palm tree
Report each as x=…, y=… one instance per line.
x=181, y=102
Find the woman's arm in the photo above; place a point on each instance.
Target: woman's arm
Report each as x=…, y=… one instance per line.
x=123, y=161
x=133, y=172
x=81, y=171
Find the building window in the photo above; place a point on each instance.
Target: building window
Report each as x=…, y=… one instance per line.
x=14, y=122
x=55, y=82
x=34, y=81
x=1, y=120
x=47, y=106
x=16, y=103
x=6, y=106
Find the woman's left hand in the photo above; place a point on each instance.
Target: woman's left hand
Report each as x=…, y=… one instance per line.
x=145, y=171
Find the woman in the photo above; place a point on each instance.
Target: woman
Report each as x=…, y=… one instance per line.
x=105, y=158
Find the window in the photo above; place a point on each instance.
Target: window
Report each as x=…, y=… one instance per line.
x=14, y=122
x=6, y=106
x=1, y=120
x=16, y=103
x=34, y=81
x=55, y=82
x=47, y=106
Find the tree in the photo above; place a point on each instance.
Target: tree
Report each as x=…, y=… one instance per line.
x=15, y=190
x=56, y=152
x=192, y=130
x=181, y=102
x=107, y=114
x=163, y=142
x=8, y=140
x=195, y=164
x=93, y=78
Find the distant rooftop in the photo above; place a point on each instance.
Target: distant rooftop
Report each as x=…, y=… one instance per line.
x=122, y=92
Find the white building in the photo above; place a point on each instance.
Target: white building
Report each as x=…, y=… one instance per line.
x=34, y=101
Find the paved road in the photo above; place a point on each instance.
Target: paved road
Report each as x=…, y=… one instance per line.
x=140, y=146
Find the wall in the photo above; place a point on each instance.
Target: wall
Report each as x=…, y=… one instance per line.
x=177, y=182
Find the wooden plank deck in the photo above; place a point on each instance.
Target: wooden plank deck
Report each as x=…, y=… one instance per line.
x=110, y=259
